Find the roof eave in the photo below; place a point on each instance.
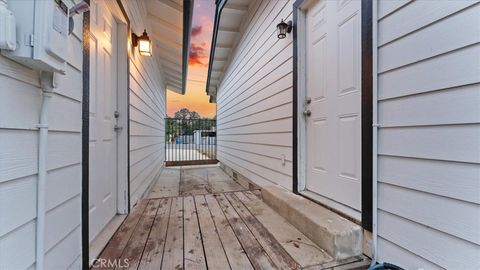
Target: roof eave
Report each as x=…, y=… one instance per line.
x=218, y=12
x=187, y=29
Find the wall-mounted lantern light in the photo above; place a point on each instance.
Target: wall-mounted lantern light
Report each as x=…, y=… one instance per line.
x=283, y=28
x=143, y=42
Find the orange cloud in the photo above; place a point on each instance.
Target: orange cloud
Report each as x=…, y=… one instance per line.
x=198, y=54
x=195, y=98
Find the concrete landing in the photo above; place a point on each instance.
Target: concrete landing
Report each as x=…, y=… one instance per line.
x=339, y=237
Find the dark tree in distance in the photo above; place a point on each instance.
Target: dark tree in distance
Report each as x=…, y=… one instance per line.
x=185, y=113
x=185, y=122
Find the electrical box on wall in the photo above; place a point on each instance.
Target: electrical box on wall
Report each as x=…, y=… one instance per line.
x=42, y=32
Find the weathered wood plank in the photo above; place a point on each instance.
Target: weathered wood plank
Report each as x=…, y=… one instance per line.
x=135, y=246
x=117, y=244
x=301, y=249
x=258, y=257
x=233, y=249
x=274, y=250
x=194, y=257
x=153, y=253
x=173, y=254
x=214, y=252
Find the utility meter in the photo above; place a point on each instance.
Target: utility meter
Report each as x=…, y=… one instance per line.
x=7, y=27
x=42, y=32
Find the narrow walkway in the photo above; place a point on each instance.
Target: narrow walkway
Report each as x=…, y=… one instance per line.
x=191, y=228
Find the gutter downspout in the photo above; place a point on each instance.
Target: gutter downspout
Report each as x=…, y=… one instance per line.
x=47, y=84
x=375, y=127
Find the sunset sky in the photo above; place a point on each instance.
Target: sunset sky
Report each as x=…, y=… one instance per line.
x=195, y=98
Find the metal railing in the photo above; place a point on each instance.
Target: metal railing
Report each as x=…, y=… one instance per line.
x=190, y=141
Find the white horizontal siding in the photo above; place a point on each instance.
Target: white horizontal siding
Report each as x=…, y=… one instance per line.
x=62, y=255
x=395, y=26
x=18, y=243
x=254, y=100
x=387, y=7
x=435, y=246
x=407, y=257
x=21, y=190
x=429, y=136
x=463, y=31
x=147, y=112
x=20, y=104
x=432, y=176
x=461, y=221
x=457, y=105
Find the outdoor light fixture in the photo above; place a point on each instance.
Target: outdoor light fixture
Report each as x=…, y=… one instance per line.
x=143, y=42
x=283, y=28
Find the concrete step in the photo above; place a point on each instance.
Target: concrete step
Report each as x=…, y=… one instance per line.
x=305, y=253
x=338, y=236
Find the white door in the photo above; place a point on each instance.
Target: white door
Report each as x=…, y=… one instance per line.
x=332, y=82
x=103, y=104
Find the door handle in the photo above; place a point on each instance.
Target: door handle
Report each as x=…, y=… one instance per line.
x=308, y=100
x=117, y=128
x=307, y=113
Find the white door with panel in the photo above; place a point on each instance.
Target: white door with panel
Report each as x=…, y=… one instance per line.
x=332, y=150
x=103, y=105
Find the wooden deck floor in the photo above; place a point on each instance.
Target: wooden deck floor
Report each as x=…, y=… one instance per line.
x=195, y=229
x=196, y=232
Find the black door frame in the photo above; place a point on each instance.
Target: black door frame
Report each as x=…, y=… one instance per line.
x=85, y=136
x=366, y=110
x=85, y=131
